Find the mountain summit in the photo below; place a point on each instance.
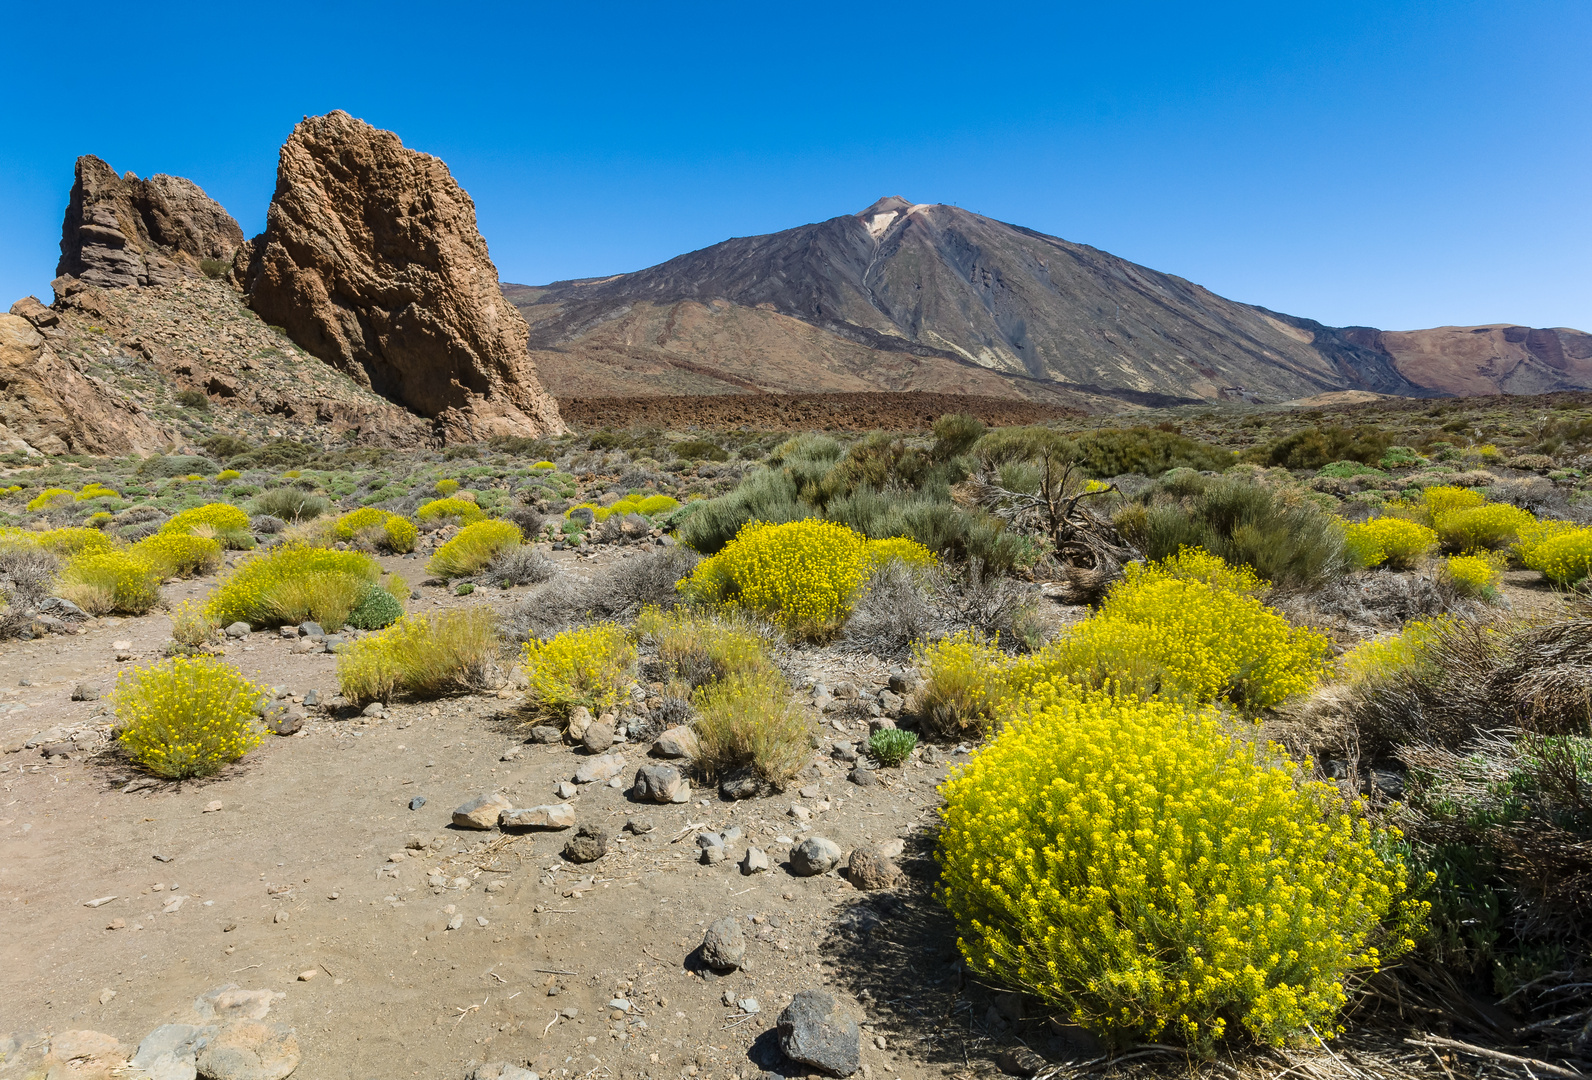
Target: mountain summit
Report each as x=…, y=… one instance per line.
x=924, y=296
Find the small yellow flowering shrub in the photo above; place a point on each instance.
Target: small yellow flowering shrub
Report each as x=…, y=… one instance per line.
x=902, y=550
x=419, y=655
x=292, y=583
x=191, y=628
x=748, y=720
x=1494, y=525
x=965, y=681
x=75, y=541
x=547, y=465
x=228, y=474
x=699, y=649
x=1382, y=657
x=51, y=498
x=653, y=505
x=1472, y=575
x=179, y=555
x=358, y=521
x=97, y=490
x=1152, y=877
x=1436, y=501
x=803, y=575
x=400, y=533
x=183, y=718
x=441, y=509
x=224, y=521
x=101, y=582
x=474, y=547
x=587, y=666
x=1395, y=541
x=1564, y=556
x=447, y=487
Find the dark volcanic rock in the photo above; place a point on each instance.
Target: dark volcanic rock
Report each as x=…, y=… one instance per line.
x=371, y=260
x=813, y=1031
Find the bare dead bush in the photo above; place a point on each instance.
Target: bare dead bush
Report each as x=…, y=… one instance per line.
x=26, y=572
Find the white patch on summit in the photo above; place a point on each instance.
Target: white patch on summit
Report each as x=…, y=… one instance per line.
x=880, y=222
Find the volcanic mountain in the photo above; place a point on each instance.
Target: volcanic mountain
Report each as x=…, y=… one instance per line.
x=906, y=296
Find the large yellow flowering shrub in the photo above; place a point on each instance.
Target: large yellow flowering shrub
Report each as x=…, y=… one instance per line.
x=187, y=717
x=587, y=666
x=444, y=509
x=420, y=655
x=293, y=583
x=1445, y=499
x=1563, y=555
x=1493, y=525
x=1152, y=877
x=357, y=521
x=803, y=575
x=631, y=504
x=51, y=498
x=224, y=521
x=1385, y=656
x=1396, y=541
x=101, y=582
x=474, y=547
x=179, y=555
x=400, y=533
x=74, y=541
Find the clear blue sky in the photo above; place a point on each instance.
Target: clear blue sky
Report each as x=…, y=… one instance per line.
x=1393, y=164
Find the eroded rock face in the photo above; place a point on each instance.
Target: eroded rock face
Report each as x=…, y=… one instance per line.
x=121, y=231
x=48, y=406
x=371, y=260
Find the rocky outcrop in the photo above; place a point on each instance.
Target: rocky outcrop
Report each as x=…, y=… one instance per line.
x=1496, y=359
x=121, y=231
x=371, y=260
x=48, y=406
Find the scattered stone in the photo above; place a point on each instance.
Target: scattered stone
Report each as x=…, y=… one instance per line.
x=456, y=922
x=375, y=708
x=892, y=849
x=85, y=692
x=755, y=861
x=211, y=807
x=238, y=630
x=598, y=737
x=287, y=631
x=800, y=812
x=881, y=723
x=551, y=816
x=500, y=1070
x=306, y=645
x=1020, y=1061
x=482, y=811
x=712, y=854
x=868, y=869
x=106, y=995
x=513, y=753
x=587, y=845
x=249, y=1050
x=311, y=630
x=813, y=856
x=312, y=698
x=307, y=975
x=724, y=945
x=228, y=1002
x=57, y=750
x=565, y=790
x=639, y=825
x=496, y=886
x=746, y=785
x=811, y=791
x=289, y=721
x=417, y=802
x=580, y=719
x=660, y=784
x=749, y=1005
x=169, y=1052
x=601, y=768
x=546, y=733
x=482, y=921
x=813, y=1031
x=863, y=778
x=676, y=742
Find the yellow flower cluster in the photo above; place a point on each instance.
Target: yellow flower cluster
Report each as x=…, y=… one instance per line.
x=447, y=487
x=902, y=550
x=419, y=655
x=1562, y=552
x=544, y=465
x=441, y=509
x=401, y=534
x=1492, y=525
x=587, y=666
x=97, y=490
x=1473, y=575
x=1395, y=541
x=804, y=574
x=228, y=474
x=1385, y=656
x=1442, y=499
x=252, y=592
x=103, y=581
x=630, y=504
x=74, y=541
x=187, y=717
x=178, y=554
x=50, y=498
x=358, y=521
x=224, y=521
x=474, y=547
x=1151, y=876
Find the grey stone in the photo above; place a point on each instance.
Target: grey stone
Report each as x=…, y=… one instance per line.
x=742, y=786
x=375, y=708
x=417, y=802
x=312, y=698
x=311, y=630
x=863, y=778
x=881, y=723
x=62, y=609
x=249, y=1050
x=482, y=811
x=228, y=1002
x=903, y=682
x=587, y=845
x=287, y=631
x=724, y=945
x=456, y=922
x=289, y=721
x=334, y=641
x=844, y=751
x=551, y=816
x=170, y=1052
x=755, y=861
x=868, y=869
x=565, y=790
x=238, y=630
x=1020, y=1061
x=500, y=1070
x=601, y=768
x=749, y=1005
x=639, y=825
x=891, y=702
x=814, y=855
x=85, y=692
x=814, y=1031
x=676, y=742
x=712, y=855
x=598, y=737
x=660, y=784
x=580, y=719
x=546, y=733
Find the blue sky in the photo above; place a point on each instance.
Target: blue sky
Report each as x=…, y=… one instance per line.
x=1390, y=164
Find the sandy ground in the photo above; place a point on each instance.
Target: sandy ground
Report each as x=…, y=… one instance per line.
x=288, y=886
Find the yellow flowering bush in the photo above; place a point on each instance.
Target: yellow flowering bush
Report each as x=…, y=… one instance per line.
x=97, y=490
x=74, y=541
x=474, y=547
x=51, y=498
x=442, y=509
x=1398, y=542
x=1493, y=525
x=545, y=465
x=587, y=666
x=101, y=582
x=419, y=655
x=1564, y=556
x=447, y=487
x=1152, y=877
x=699, y=649
x=358, y=521
x=653, y=505
x=224, y=521
x=1381, y=657
x=803, y=575
x=187, y=717
x=228, y=474
x=292, y=583
x=179, y=555
x=1444, y=499
x=901, y=549
x=748, y=720
x=400, y=534
x=965, y=682
x=1472, y=575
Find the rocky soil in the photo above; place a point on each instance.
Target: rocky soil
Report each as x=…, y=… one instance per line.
x=326, y=874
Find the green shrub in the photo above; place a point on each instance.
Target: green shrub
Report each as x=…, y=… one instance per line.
x=277, y=454
x=225, y=447
x=170, y=465
x=588, y=666
x=748, y=721
x=473, y=548
x=420, y=656
x=1148, y=451
x=1314, y=447
x=380, y=606
x=183, y=718
x=700, y=450
x=890, y=746
x=1151, y=877
x=191, y=628
x=289, y=503
x=1347, y=470
x=293, y=583
x=699, y=649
